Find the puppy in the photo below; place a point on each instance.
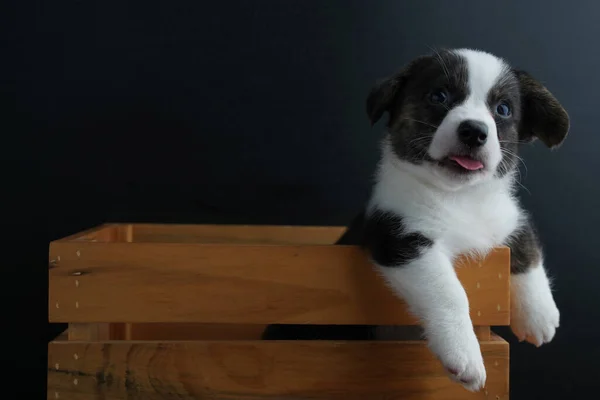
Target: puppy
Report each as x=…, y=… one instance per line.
x=446, y=186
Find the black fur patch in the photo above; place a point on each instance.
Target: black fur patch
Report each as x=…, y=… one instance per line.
x=543, y=116
x=506, y=90
x=388, y=243
x=535, y=113
x=525, y=248
x=405, y=96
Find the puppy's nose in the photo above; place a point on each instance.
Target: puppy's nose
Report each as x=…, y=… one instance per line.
x=472, y=133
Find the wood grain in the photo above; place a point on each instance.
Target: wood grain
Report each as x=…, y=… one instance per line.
x=263, y=370
x=246, y=284
x=241, y=234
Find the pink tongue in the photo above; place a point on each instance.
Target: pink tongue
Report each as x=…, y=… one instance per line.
x=467, y=163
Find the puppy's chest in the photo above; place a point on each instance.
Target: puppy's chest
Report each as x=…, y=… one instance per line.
x=464, y=224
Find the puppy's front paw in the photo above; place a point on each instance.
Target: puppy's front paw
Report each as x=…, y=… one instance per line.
x=534, y=315
x=535, y=320
x=458, y=350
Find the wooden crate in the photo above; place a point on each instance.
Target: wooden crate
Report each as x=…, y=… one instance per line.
x=177, y=311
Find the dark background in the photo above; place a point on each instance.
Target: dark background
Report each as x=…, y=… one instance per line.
x=253, y=112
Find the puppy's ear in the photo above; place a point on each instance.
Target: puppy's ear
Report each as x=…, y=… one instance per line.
x=382, y=95
x=542, y=116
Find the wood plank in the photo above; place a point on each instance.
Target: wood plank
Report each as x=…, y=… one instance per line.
x=161, y=282
x=263, y=370
x=246, y=234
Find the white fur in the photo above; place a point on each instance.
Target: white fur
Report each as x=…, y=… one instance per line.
x=433, y=292
x=534, y=315
x=484, y=70
x=476, y=218
x=460, y=217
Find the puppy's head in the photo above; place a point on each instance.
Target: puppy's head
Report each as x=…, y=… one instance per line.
x=459, y=115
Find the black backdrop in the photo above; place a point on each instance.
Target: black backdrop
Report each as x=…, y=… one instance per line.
x=253, y=112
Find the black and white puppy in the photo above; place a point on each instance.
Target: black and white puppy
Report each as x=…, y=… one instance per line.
x=445, y=186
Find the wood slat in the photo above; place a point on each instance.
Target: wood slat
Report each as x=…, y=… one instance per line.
x=257, y=370
x=244, y=234
x=245, y=284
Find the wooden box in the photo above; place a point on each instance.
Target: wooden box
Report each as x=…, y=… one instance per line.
x=177, y=311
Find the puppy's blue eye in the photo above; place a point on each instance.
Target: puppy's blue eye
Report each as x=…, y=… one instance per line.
x=503, y=109
x=438, y=97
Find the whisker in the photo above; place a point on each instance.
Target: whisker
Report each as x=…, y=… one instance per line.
x=504, y=167
x=510, y=153
x=518, y=182
x=513, y=142
x=523, y=186
x=419, y=139
x=421, y=122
